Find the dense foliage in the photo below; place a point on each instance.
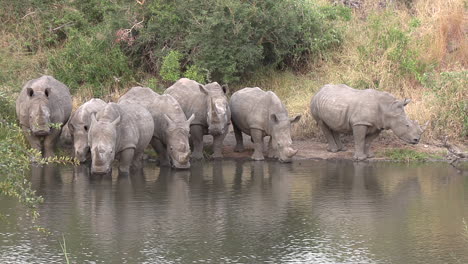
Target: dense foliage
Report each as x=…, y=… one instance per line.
x=231, y=38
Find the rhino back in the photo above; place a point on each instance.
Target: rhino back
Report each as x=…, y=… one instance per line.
x=60, y=102
x=139, y=95
x=191, y=99
x=82, y=115
x=341, y=107
x=250, y=108
x=136, y=127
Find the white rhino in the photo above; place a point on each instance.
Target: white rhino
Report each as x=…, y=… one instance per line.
x=171, y=127
x=43, y=107
x=119, y=131
x=210, y=106
x=341, y=109
x=78, y=126
x=258, y=114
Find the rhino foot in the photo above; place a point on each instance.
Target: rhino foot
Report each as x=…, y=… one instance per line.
x=333, y=149
x=239, y=148
x=358, y=157
x=258, y=157
x=197, y=155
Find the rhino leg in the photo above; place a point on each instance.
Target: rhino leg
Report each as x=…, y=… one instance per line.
x=271, y=150
x=218, y=145
x=196, y=134
x=34, y=141
x=239, y=140
x=339, y=144
x=126, y=158
x=359, y=133
x=369, y=139
x=137, y=159
x=332, y=145
x=257, y=137
x=162, y=152
x=50, y=142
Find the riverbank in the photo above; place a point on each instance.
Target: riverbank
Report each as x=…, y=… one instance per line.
x=386, y=148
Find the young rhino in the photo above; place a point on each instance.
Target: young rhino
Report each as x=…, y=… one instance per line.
x=120, y=131
x=210, y=106
x=171, y=127
x=42, y=104
x=79, y=124
x=258, y=114
x=340, y=109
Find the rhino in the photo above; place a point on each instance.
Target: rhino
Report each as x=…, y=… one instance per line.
x=171, y=127
x=119, y=131
x=258, y=113
x=210, y=106
x=78, y=127
x=342, y=109
x=43, y=107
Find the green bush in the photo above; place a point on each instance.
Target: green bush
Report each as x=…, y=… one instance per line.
x=91, y=62
x=232, y=38
x=170, y=69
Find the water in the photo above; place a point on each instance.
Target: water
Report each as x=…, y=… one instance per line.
x=245, y=212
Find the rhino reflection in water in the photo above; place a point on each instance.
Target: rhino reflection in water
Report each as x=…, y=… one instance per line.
x=341, y=109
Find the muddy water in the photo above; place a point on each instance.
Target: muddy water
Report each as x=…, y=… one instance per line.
x=245, y=212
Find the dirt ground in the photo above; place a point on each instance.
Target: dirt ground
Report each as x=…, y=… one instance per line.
x=316, y=148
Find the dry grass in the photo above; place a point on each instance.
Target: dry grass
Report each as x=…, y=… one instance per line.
x=439, y=37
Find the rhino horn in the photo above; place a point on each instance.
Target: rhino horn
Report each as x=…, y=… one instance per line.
x=93, y=118
x=292, y=152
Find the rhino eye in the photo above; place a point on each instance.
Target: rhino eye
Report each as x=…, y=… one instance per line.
x=86, y=128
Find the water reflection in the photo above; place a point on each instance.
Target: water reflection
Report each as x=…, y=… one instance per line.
x=247, y=212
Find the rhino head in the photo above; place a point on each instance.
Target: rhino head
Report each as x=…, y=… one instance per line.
x=39, y=112
x=401, y=125
x=178, y=147
x=218, y=108
x=280, y=129
x=79, y=131
x=102, y=138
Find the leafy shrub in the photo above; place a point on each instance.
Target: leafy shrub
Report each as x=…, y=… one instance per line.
x=231, y=38
x=170, y=69
x=90, y=61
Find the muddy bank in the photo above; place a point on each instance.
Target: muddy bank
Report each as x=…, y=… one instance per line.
x=316, y=148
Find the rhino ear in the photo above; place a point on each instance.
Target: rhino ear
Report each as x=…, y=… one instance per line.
x=203, y=89
x=274, y=118
x=168, y=119
x=225, y=88
x=406, y=101
x=29, y=92
x=47, y=91
x=295, y=119
x=191, y=118
x=116, y=121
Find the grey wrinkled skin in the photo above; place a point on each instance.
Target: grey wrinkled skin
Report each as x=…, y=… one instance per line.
x=119, y=131
x=210, y=106
x=258, y=113
x=171, y=127
x=43, y=102
x=342, y=109
x=79, y=124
